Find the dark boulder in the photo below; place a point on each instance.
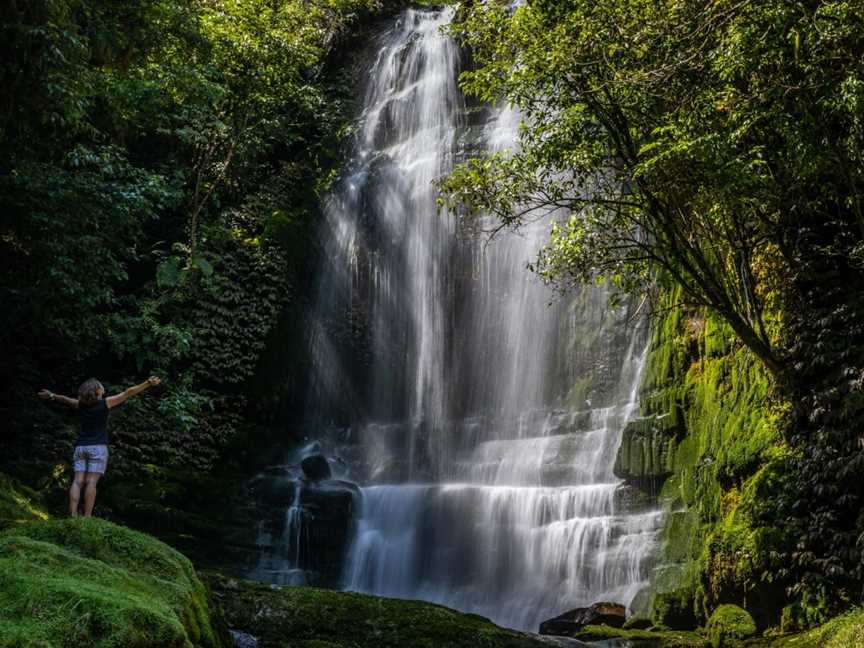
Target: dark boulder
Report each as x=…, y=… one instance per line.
x=565, y=625
x=330, y=510
x=315, y=467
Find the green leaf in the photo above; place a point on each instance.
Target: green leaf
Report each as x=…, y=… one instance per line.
x=203, y=265
x=168, y=273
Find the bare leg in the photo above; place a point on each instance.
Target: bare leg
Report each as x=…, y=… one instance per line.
x=90, y=493
x=75, y=493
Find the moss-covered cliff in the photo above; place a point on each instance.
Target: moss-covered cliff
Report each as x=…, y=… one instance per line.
x=709, y=447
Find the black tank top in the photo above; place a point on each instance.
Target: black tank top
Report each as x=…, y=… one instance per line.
x=94, y=424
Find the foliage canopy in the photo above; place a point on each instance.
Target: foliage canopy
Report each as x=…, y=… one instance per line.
x=692, y=140
x=160, y=164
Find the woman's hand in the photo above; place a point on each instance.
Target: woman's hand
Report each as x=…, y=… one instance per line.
x=44, y=394
x=153, y=381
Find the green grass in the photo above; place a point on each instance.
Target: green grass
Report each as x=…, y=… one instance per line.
x=82, y=581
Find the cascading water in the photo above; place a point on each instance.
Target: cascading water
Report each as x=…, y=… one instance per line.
x=485, y=412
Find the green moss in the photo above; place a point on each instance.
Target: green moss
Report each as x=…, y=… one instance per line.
x=845, y=631
x=724, y=448
x=673, y=605
x=306, y=616
x=656, y=639
x=580, y=391
x=88, y=581
x=18, y=504
x=647, y=447
x=729, y=625
x=667, y=357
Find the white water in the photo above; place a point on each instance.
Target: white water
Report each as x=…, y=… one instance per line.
x=487, y=469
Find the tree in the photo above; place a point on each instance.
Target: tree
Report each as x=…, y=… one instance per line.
x=694, y=140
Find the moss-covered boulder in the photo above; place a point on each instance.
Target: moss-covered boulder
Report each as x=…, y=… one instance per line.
x=647, y=638
x=307, y=617
x=729, y=625
x=86, y=581
x=844, y=631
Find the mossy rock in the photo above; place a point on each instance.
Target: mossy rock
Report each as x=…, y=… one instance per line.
x=310, y=617
x=637, y=623
x=86, y=581
x=652, y=638
x=674, y=609
x=844, y=631
x=729, y=625
x=18, y=504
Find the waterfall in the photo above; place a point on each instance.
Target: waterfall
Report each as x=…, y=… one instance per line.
x=480, y=412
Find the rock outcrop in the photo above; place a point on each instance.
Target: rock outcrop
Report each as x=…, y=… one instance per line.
x=647, y=450
x=307, y=522
x=316, y=467
x=329, y=517
x=567, y=624
x=307, y=617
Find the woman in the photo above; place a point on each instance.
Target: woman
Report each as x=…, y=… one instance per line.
x=91, y=448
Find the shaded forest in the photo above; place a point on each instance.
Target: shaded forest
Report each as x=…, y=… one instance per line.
x=162, y=167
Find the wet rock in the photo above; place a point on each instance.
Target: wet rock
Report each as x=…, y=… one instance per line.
x=335, y=498
x=629, y=499
x=315, y=467
x=610, y=614
x=243, y=640
x=329, y=509
x=640, y=605
x=647, y=448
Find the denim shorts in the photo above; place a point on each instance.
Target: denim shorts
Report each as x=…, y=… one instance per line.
x=91, y=458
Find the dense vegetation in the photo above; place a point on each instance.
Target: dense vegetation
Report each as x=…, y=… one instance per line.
x=713, y=151
x=160, y=168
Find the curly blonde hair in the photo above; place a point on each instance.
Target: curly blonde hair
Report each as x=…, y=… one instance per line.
x=88, y=392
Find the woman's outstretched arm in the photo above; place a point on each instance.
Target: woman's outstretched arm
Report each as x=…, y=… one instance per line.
x=122, y=397
x=72, y=403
